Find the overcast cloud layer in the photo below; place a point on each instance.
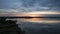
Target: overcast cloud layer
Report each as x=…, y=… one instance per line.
x=30, y=5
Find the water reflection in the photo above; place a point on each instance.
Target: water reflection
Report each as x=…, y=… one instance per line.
x=39, y=25
x=40, y=20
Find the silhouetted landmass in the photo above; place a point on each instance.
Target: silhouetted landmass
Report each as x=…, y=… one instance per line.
x=9, y=27
x=28, y=17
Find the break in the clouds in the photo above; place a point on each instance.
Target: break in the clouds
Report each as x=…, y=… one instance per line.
x=29, y=5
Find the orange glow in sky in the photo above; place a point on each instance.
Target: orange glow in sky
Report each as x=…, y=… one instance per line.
x=31, y=15
x=37, y=14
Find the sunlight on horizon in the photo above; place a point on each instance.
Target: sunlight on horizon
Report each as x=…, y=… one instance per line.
x=43, y=12
x=35, y=14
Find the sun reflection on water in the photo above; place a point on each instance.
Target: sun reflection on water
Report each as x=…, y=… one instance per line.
x=38, y=20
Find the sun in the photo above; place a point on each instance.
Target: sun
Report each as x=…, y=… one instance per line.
x=32, y=15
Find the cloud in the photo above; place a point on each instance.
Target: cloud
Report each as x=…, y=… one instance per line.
x=30, y=5
x=7, y=11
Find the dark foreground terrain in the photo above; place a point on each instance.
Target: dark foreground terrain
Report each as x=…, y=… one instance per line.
x=9, y=27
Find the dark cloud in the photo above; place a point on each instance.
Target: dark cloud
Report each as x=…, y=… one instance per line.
x=30, y=4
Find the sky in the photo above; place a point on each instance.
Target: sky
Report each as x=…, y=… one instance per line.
x=29, y=5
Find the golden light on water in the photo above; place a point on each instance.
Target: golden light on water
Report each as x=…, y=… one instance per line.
x=43, y=21
x=39, y=20
x=36, y=19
